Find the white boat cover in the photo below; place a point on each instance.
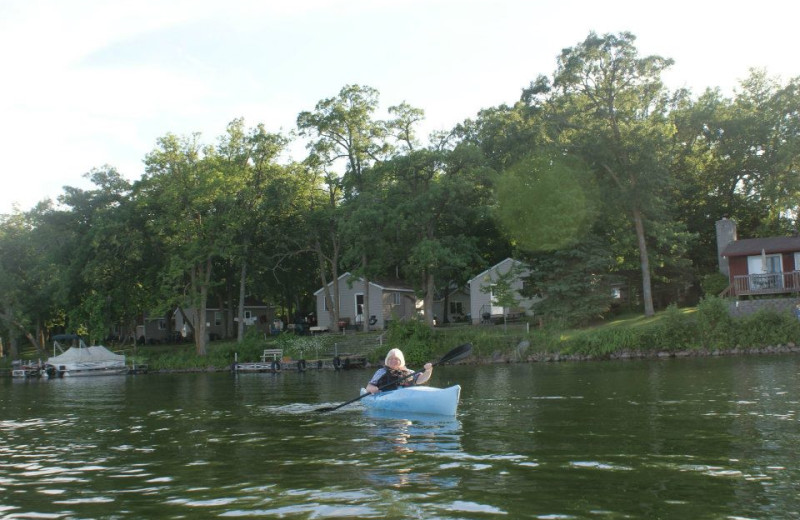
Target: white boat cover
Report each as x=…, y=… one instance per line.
x=96, y=354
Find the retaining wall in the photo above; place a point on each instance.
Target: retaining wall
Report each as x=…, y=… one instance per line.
x=745, y=307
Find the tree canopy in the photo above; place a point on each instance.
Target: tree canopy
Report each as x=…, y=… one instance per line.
x=597, y=177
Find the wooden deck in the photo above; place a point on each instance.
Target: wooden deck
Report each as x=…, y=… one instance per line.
x=767, y=283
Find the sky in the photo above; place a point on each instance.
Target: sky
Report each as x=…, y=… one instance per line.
x=88, y=83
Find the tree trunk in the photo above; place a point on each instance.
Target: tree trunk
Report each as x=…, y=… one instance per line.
x=201, y=277
x=365, y=309
x=331, y=300
x=647, y=292
x=240, y=313
x=427, y=304
x=9, y=318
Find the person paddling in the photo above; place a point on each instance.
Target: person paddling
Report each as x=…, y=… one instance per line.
x=395, y=374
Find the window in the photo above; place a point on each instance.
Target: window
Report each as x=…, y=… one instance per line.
x=774, y=264
x=456, y=308
x=248, y=315
x=396, y=298
x=162, y=324
x=217, y=318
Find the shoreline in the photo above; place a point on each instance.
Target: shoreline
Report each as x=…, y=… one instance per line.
x=539, y=357
x=545, y=357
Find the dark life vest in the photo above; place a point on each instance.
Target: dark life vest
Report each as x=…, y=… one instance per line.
x=393, y=379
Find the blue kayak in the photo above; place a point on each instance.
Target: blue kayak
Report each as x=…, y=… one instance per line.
x=416, y=399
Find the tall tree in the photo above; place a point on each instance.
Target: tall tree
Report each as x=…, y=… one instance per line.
x=611, y=108
x=182, y=193
x=28, y=278
x=436, y=196
x=247, y=159
x=343, y=128
x=738, y=157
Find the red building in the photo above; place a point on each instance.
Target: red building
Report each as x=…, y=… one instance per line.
x=758, y=265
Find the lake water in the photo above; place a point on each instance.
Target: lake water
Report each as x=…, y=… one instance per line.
x=679, y=438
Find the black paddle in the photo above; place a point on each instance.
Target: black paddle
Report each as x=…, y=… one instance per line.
x=458, y=353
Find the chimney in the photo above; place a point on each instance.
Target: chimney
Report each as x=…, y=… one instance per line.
x=726, y=234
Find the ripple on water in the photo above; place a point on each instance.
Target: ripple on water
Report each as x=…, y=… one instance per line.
x=591, y=464
x=462, y=506
x=312, y=510
x=86, y=500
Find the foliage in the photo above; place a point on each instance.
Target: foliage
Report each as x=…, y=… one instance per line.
x=574, y=283
x=414, y=338
x=671, y=331
x=616, y=105
x=766, y=328
x=678, y=330
x=713, y=284
x=738, y=158
x=304, y=347
x=598, y=174
x=545, y=202
x=714, y=322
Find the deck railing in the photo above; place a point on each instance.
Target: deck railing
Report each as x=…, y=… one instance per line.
x=766, y=283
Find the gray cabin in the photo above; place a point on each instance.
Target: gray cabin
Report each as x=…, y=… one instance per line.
x=388, y=301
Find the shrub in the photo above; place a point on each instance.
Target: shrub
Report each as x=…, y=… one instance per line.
x=305, y=347
x=678, y=330
x=714, y=323
x=713, y=284
x=414, y=338
x=766, y=327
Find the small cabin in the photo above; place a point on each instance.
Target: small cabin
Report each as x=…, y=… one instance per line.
x=758, y=266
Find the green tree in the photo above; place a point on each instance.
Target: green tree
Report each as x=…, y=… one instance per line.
x=184, y=194
x=343, y=128
x=501, y=288
x=261, y=196
x=610, y=107
x=113, y=258
x=436, y=196
x=27, y=279
x=546, y=202
x=574, y=283
x=738, y=157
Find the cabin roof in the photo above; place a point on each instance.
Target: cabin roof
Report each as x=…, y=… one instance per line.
x=754, y=246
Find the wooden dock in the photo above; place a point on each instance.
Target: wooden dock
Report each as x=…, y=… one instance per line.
x=272, y=361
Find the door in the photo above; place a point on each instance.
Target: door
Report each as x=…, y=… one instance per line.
x=765, y=271
x=359, y=308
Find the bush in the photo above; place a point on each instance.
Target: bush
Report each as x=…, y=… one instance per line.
x=714, y=323
x=678, y=330
x=603, y=342
x=415, y=339
x=304, y=347
x=767, y=328
x=714, y=284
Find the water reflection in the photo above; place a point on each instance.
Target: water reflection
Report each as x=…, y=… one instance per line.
x=402, y=451
x=689, y=439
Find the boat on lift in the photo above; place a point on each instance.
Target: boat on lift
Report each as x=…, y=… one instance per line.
x=81, y=360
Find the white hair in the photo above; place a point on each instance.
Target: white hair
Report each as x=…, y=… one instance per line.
x=396, y=352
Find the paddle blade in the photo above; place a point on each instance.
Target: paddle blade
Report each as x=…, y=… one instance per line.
x=457, y=354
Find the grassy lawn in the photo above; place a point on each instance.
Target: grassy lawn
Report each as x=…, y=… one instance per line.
x=671, y=330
